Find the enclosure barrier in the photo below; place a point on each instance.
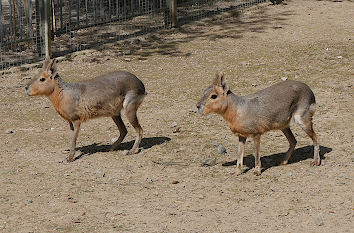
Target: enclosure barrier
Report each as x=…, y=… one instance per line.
x=32, y=29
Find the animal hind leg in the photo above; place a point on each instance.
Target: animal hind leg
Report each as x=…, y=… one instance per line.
x=292, y=143
x=305, y=122
x=122, y=131
x=131, y=108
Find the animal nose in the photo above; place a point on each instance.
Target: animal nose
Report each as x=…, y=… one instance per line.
x=27, y=90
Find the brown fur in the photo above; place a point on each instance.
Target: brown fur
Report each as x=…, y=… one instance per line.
x=103, y=96
x=272, y=108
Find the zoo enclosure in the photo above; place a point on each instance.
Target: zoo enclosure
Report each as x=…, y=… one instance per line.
x=31, y=29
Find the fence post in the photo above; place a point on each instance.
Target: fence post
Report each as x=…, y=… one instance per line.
x=173, y=12
x=1, y=30
x=47, y=31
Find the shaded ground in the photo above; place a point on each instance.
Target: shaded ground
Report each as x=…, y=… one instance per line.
x=165, y=188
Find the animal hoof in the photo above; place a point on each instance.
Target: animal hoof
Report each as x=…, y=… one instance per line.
x=238, y=172
x=70, y=159
x=257, y=171
x=315, y=163
x=129, y=153
x=285, y=162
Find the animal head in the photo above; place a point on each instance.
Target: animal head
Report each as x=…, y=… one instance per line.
x=215, y=96
x=44, y=82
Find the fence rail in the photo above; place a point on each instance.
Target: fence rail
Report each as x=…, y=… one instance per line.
x=81, y=24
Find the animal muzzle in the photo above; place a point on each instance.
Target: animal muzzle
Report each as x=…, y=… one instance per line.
x=200, y=109
x=27, y=91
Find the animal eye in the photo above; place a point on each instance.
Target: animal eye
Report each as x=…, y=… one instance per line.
x=42, y=79
x=213, y=96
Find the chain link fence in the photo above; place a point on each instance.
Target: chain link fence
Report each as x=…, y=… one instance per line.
x=81, y=24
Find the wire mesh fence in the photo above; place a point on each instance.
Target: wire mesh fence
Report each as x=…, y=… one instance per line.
x=84, y=24
x=80, y=24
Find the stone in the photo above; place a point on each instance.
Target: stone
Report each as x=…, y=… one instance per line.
x=319, y=221
x=221, y=149
x=209, y=162
x=9, y=131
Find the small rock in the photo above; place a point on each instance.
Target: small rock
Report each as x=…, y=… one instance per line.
x=209, y=162
x=127, y=59
x=284, y=78
x=177, y=130
x=221, y=149
x=254, y=84
x=175, y=182
x=100, y=174
x=9, y=131
x=174, y=124
x=52, y=129
x=319, y=222
x=179, y=150
x=149, y=180
x=339, y=57
x=30, y=201
x=215, y=144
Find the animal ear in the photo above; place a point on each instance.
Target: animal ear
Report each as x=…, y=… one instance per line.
x=51, y=68
x=219, y=81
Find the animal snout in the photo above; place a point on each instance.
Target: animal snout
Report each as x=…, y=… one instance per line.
x=200, y=109
x=27, y=90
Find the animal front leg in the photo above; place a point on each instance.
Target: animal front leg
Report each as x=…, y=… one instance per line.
x=240, y=154
x=75, y=133
x=258, y=166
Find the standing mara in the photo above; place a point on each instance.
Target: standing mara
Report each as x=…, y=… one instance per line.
x=103, y=96
x=272, y=108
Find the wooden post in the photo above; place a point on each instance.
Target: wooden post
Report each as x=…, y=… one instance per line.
x=172, y=6
x=47, y=31
x=1, y=27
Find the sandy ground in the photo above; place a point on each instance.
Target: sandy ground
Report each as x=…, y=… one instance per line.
x=166, y=188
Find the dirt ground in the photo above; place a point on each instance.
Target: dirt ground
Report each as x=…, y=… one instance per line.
x=165, y=187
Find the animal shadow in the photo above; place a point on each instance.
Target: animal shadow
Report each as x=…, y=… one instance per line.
x=145, y=143
x=274, y=160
